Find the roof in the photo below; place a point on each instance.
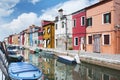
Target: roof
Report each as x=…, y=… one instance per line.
x=97, y=4
x=82, y=10
x=91, y=6
x=51, y=22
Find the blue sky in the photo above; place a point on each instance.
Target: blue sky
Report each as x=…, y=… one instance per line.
x=17, y=15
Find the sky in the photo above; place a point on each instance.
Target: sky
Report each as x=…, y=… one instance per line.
x=18, y=15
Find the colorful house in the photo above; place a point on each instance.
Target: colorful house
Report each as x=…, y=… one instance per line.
x=26, y=37
x=103, y=27
x=40, y=37
x=35, y=30
x=10, y=39
x=21, y=38
x=15, y=39
x=79, y=29
x=30, y=36
x=63, y=31
x=48, y=35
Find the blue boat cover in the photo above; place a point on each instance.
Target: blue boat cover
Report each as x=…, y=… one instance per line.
x=23, y=70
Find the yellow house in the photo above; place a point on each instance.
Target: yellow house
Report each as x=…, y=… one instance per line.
x=48, y=34
x=48, y=68
x=26, y=36
x=15, y=39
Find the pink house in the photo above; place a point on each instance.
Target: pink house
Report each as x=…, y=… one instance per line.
x=79, y=29
x=103, y=27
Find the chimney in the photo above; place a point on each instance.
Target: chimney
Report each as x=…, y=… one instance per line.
x=60, y=12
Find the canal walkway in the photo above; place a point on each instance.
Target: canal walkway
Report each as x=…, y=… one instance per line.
x=105, y=60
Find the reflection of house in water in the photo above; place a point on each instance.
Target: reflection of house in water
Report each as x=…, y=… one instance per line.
x=84, y=71
x=48, y=68
x=25, y=53
x=63, y=71
x=92, y=72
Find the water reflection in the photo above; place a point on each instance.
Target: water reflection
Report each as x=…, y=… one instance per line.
x=54, y=70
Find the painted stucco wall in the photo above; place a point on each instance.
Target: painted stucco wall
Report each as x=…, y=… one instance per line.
x=98, y=27
x=78, y=30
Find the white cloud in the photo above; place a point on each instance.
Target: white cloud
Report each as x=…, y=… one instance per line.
x=19, y=24
x=26, y=19
x=68, y=7
x=34, y=1
x=6, y=7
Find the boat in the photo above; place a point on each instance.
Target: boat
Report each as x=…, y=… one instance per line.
x=13, y=48
x=66, y=59
x=17, y=70
x=24, y=71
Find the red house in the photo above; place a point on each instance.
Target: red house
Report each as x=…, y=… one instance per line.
x=79, y=29
x=10, y=39
x=40, y=37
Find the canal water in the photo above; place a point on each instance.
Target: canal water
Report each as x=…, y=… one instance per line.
x=56, y=70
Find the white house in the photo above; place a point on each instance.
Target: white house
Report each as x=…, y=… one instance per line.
x=35, y=35
x=63, y=31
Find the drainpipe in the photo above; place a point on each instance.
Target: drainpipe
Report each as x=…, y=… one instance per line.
x=66, y=33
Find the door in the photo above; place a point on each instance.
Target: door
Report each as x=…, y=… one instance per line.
x=96, y=45
x=82, y=45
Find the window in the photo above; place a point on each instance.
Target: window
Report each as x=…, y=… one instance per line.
x=35, y=41
x=89, y=39
x=40, y=33
x=74, y=23
x=38, y=41
x=76, y=41
x=48, y=41
x=89, y=22
x=62, y=24
x=106, y=39
x=48, y=30
x=56, y=26
x=107, y=18
x=43, y=31
x=82, y=21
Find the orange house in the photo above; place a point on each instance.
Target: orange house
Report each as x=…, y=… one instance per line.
x=103, y=27
x=15, y=39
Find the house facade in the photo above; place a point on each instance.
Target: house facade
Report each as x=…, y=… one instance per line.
x=21, y=37
x=103, y=27
x=40, y=37
x=10, y=39
x=35, y=30
x=48, y=35
x=15, y=39
x=79, y=30
x=26, y=37
x=63, y=31
x=30, y=35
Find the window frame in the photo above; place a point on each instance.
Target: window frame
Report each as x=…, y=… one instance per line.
x=91, y=40
x=103, y=18
x=82, y=21
x=74, y=23
x=91, y=20
x=75, y=41
x=103, y=38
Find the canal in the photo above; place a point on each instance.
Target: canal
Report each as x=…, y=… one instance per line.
x=55, y=70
